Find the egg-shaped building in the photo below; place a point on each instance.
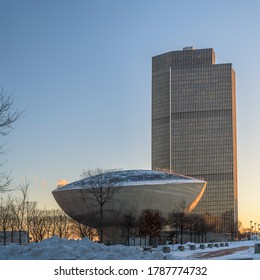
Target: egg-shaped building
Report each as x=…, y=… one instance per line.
x=127, y=191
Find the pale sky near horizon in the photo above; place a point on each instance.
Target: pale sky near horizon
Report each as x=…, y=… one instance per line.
x=82, y=70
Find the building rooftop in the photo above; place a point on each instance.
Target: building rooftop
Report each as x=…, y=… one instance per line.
x=133, y=177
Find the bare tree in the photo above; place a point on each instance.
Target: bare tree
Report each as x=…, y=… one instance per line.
x=178, y=219
x=22, y=207
x=79, y=230
x=50, y=223
x=31, y=207
x=151, y=223
x=62, y=224
x=8, y=116
x=129, y=224
x=13, y=217
x=5, y=218
x=229, y=222
x=102, y=185
x=200, y=227
x=17, y=209
x=37, y=222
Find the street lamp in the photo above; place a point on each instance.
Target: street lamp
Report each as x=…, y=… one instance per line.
x=27, y=218
x=251, y=229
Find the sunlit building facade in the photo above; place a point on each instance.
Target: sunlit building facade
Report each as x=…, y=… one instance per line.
x=194, y=127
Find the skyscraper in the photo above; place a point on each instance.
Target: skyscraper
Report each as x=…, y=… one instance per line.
x=194, y=127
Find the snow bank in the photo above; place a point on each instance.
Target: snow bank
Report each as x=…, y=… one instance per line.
x=64, y=249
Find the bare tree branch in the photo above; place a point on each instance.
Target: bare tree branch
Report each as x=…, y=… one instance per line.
x=8, y=116
x=102, y=185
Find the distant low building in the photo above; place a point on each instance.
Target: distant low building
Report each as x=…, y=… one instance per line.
x=18, y=237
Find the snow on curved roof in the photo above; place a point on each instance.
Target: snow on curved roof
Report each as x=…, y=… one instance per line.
x=134, y=177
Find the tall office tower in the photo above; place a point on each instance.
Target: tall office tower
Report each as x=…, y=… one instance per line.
x=194, y=127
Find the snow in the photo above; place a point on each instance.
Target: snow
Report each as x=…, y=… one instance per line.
x=135, y=178
x=64, y=249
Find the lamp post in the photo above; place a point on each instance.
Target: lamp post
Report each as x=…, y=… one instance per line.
x=27, y=218
x=251, y=229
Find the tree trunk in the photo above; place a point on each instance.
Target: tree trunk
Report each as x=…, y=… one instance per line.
x=101, y=223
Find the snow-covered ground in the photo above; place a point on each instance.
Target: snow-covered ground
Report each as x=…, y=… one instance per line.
x=64, y=249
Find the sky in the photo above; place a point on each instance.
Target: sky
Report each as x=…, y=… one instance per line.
x=81, y=70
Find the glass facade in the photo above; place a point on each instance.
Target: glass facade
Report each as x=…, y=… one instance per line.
x=194, y=127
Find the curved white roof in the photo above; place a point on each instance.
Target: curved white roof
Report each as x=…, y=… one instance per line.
x=133, y=178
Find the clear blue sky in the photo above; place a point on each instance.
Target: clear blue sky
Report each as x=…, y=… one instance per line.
x=83, y=71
